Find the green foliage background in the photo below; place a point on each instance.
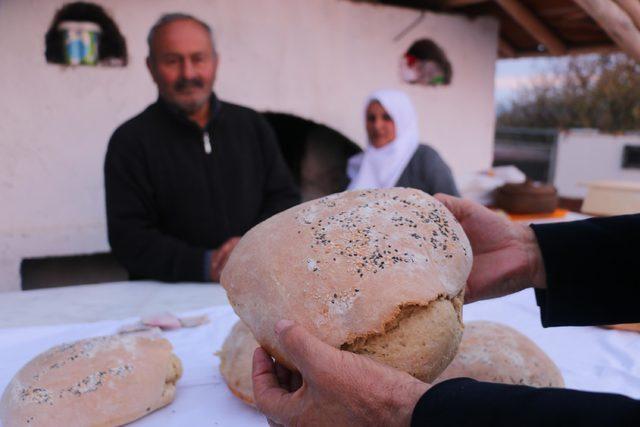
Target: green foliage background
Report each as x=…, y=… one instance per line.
x=601, y=92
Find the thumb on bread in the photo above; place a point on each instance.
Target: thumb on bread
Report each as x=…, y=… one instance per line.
x=460, y=208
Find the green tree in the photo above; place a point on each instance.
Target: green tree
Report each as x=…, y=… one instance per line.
x=601, y=92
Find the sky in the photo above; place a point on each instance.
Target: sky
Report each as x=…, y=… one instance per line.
x=514, y=73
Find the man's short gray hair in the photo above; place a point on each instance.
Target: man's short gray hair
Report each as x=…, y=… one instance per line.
x=172, y=17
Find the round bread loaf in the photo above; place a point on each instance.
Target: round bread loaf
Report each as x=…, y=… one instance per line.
x=236, y=360
x=376, y=272
x=104, y=381
x=496, y=353
x=488, y=352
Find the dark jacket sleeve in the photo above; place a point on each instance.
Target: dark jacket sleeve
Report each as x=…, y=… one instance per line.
x=591, y=279
x=465, y=402
x=280, y=191
x=592, y=269
x=132, y=220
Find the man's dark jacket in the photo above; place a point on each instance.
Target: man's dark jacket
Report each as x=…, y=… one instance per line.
x=169, y=201
x=592, y=279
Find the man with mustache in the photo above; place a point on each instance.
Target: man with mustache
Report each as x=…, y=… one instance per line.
x=189, y=175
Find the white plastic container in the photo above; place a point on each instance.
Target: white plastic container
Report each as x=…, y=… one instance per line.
x=80, y=42
x=612, y=198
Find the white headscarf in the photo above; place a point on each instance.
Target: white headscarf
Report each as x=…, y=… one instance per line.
x=382, y=167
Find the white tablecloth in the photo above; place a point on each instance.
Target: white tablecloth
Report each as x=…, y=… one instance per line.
x=202, y=398
x=590, y=358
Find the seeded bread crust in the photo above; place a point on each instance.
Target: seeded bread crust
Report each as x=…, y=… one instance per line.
x=348, y=266
x=104, y=381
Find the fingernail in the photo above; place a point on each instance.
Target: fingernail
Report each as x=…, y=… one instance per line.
x=282, y=325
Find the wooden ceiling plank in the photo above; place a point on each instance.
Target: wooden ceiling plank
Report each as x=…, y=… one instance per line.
x=529, y=22
x=615, y=22
x=601, y=49
x=632, y=7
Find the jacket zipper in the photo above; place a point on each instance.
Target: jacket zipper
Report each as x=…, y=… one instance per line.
x=207, y=142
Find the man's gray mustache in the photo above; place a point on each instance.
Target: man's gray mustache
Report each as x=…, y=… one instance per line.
x=185, y=84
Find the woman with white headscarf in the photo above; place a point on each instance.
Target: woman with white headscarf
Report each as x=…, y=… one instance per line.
x=394, y=156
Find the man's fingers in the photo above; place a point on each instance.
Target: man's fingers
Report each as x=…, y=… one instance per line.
x=216, y=272
x=222, y=263
x=221, y=256
x=215, y=258
x=263, y=374
x=271, y=399
x=226, y=256
x=445, y=199
x=304, y=349
x=225, y=253
x=295, y=382
x=284, y=376
x=454, y=204
x=230, y=244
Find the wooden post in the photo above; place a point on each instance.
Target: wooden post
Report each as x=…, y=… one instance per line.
x=616, y=23
x=529, y=22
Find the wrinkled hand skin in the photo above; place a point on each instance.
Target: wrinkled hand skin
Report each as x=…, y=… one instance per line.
x=221, y=256
x=506, y=255
x=332, y=387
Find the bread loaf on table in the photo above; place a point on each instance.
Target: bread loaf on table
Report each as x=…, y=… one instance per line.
x=376, y=272
x=631, y=327
x=236, y=359
x=488, y=352
x=497, y=353
x=104, y=381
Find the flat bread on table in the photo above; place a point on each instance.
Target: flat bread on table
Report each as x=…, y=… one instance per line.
x=104, y=381
x=376, y=272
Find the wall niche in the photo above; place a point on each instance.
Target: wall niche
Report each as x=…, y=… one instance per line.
x=82, y=33
x=425, y=63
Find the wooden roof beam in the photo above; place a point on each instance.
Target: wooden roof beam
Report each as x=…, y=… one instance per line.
x=463, y=3
x=615, y=22
x=505, y=49
x=603, y=49
x=632, y=7
x=529, y=22
x=583, y=50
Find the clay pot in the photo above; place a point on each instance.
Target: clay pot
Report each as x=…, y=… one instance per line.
x=527, y=198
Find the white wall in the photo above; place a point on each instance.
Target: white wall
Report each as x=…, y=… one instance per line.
x=314, y=58
x=588, y=155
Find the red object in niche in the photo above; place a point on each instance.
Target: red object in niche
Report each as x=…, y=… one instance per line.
x=411, y=60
